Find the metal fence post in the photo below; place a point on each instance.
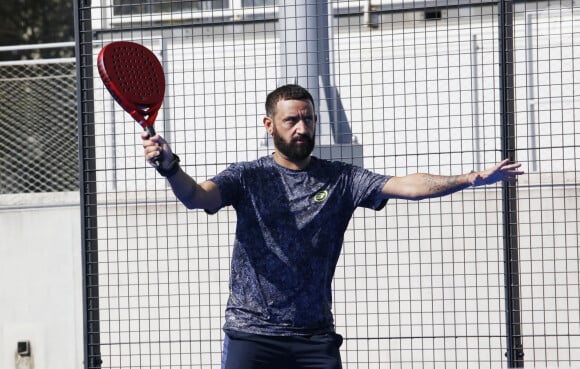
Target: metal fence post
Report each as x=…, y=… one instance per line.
x=88, y=183
x=514, y=352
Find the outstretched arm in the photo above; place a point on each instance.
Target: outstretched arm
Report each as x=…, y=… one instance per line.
x=204, y=195
x=423, y=185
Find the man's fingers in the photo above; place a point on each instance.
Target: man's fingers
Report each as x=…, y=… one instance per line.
x=511, y=172
x=514, y=165
x=513, y=168
x=154, y=151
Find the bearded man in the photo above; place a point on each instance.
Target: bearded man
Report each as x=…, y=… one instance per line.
x=292, y=212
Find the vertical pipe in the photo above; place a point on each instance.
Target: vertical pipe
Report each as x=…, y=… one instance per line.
x=515, y=352
x=475, y=89
x=166, y=107
x=305, y=43
x=299, y=40
x=88, y=181
x=531, y=93
x=299, y=44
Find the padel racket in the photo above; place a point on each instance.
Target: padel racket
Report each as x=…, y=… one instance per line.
x=134, y=77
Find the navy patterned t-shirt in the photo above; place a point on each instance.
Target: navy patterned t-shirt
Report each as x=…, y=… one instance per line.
x=289, y=235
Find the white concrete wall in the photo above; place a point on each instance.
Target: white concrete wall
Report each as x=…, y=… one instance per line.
x=40, y=280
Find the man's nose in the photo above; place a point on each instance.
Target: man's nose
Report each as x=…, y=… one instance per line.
x=301, y=127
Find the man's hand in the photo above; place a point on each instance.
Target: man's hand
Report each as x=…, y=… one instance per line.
x=157, y=150
x=503, y=171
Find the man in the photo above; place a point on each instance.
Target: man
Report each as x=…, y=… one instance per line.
x=292, y=211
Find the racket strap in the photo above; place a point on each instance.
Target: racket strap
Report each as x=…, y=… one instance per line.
x=171, y=169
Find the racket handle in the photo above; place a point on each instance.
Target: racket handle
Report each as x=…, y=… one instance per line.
x=150, y=130
x=152, y=133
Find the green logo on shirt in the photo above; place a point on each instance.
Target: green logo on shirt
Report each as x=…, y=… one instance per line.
x=321, y=196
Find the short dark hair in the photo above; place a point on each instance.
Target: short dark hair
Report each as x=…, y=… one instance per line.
x=286, y=92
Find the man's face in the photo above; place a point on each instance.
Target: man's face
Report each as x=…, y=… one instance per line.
x=293, y=129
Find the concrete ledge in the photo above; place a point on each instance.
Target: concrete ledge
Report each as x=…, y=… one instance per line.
x=39, y=200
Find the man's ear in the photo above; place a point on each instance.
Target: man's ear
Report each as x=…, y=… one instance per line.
x=268, y=124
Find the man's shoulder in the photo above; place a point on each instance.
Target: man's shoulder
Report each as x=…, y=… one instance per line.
x=263, y=161
x=330, y=164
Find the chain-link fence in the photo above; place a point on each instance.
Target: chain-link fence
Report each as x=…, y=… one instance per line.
x=38, y=144
x=485, y=278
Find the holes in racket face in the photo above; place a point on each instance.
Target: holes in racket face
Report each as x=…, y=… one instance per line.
x=136, y=73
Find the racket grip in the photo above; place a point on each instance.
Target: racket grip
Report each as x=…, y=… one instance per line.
x=150, y=130
x=152, y=133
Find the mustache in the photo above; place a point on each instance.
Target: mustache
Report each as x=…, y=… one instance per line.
x=304, y=138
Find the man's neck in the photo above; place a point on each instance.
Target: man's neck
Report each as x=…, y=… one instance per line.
x=290, y=164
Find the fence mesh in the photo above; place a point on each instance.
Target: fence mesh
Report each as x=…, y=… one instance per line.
x=38, y=144
x=410, y=86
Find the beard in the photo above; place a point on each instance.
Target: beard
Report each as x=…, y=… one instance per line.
x=293, y=150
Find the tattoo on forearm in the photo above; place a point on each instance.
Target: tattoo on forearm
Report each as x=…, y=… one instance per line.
x=444, y=185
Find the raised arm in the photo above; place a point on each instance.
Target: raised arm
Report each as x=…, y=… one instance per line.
x=423, y=185
x=193, y=195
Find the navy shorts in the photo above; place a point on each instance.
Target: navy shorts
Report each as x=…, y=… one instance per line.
x=251, y=351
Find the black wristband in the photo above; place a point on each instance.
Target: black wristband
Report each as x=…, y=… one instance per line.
x=172, y=169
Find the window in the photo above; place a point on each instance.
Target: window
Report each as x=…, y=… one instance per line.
x=255, y=3
x=126, y=7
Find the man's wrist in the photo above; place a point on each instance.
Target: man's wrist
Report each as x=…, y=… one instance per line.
x=171, y=169
x=471, y=178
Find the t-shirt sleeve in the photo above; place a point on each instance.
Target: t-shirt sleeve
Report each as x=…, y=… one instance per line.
x=229, y=185
x=367, y=188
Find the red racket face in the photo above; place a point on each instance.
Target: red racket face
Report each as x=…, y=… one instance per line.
x=135, y=78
